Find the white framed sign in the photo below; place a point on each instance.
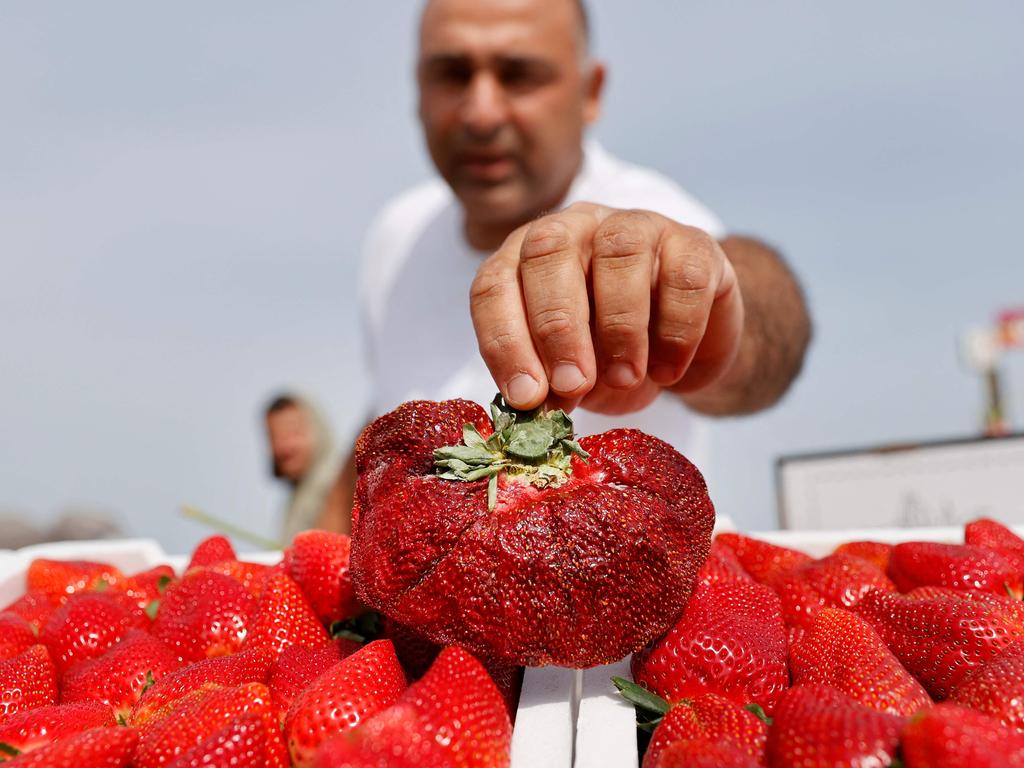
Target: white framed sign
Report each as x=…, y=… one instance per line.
x=946, y=482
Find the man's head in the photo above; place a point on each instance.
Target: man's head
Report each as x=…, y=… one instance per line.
x=506, y=90
x=292, y=439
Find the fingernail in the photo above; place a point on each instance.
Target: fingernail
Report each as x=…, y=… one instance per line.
x=620, y=375
x=663, y=374
x=522, y=389
x=566, y=377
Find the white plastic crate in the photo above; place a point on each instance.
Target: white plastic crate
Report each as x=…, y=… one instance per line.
x=544, y=732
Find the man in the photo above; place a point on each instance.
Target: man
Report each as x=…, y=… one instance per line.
x=630, y=302
x=302, y=454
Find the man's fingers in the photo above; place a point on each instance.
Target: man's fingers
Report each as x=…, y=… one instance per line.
x=502, y=330
x=552, y=267
x=721, y=341
x=621, y=265
x=690, y=266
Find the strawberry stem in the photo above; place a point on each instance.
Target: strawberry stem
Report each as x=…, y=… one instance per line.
x=640, y=697
x=219, y=524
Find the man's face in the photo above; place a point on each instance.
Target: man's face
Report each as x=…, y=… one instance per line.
x=291, y=443
x=505, y=94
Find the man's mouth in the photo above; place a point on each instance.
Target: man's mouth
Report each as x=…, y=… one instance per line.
x=485, y=167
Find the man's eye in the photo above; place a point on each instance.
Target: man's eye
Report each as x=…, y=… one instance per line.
x=523, y=76
x=453, y=74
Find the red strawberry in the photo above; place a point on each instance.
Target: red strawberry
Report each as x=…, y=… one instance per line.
x=27, y=680
x=283, y=617
x=34, y=607
x=997, y=689
x=119, y=676
x=1011, y=608
x=833, y=581
x=197, y=717
x=459, y=704
x=35, y=728
x=16, y=635
x=319, y=565
x=730, y=641
x=872, y=551
x=242, y=743
x=205, y=614
x=608, y=545
x=415, y=651
x=392, y=739
x=702, y=754
x=95, y=748
x=708, y=718
x=844, y=651
x=87, y=625
x=59, y=579
x=252, y=576
x=763, y=561
x=251, y=666
x=354, y=689
x=297, y=667
x=960, y=566
x=722, y=565
x=950, y=736
x=939, y=640
x=817, y=726
x=210, y=551
x=148, y=586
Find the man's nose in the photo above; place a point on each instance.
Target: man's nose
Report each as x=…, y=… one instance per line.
x=485, y=108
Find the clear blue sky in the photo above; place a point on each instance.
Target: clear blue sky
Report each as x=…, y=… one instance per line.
x=183, y=189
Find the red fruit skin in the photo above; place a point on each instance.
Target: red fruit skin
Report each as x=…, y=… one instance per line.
x=242, y=743
x=297, y=667
x=834, y=581
x=118, y=677
x=415, y=651
x=815, y=725
x=873, y=551
x=35, y=728
x=951, y=736
x=319, y=564
x=730, y=641
x=763, y=561
x=353, y=690
x=576, y=575
x=939, y=640
x=708, y=718
x=459, y=704
x=16, y=635
x=284, y=617
x=958, y=566
x=34, y=607
x=210, y=551
x=59, y=579
x=251, y=666
x=87, y=625
x=202, y=714
x=252, y=576
x=204, y=615
x=27, y=680
x=997, y=688
x=844, y=651
x=95, y=748
x=146, y=586
x=392, y=739
x=702, y=754
x=722, y=565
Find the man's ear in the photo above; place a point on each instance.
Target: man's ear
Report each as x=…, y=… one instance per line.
x=593, y=88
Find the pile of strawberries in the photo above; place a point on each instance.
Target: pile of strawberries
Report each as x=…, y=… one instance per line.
x=234, y=664
x=876, y=655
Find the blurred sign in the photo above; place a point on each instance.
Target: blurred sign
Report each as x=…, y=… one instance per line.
x=940, y=483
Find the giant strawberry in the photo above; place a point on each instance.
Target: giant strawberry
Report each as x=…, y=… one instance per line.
x=510, y=539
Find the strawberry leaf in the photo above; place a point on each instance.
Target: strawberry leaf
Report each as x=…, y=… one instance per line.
x=162, y=583
x=7, y=749
x=759, y=711
x=640, y=697
x=152, y=607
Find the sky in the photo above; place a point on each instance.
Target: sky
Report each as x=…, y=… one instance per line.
x=184, y=189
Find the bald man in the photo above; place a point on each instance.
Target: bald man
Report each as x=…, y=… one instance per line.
x=542, y=266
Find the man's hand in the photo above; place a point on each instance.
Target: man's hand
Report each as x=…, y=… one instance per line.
x=606, y=308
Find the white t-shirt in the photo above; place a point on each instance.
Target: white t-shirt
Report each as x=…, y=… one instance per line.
x=416, y=276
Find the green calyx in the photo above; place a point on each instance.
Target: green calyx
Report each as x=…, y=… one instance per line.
x=534, y=447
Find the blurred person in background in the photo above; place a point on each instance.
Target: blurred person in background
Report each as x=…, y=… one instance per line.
x=641, y=309
x=302, y=454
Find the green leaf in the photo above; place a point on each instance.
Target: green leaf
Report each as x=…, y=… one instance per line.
x=571, y=446
x=162, y=583
x=101, y=586
x=759, y=711
x=640, y=697
x=152, y=607
x=7, y=749
x=896, y=763
x=150, y=681
x=472, y=437
x=492, y=492
x=121, y=720
x=530, y=441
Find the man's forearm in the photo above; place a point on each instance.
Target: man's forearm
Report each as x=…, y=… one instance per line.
x=337, y=512
x=776, y=332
